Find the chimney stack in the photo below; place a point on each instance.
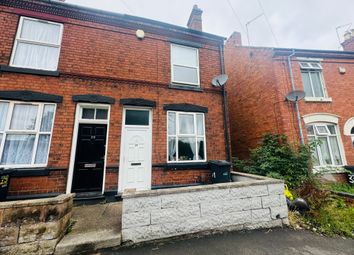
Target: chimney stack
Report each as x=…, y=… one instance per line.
x=348, y=44
x=235, y=39
x=195, y=19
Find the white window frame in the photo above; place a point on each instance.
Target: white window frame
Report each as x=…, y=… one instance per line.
x=314, y=67
x=196, y=67
x=318, y=149
x=36, y=132
x=19, y=39
x=194, y=135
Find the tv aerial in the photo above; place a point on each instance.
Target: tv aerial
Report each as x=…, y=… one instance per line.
x=219, y=80
x=295, y=95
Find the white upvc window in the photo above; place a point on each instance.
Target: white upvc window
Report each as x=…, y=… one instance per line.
x=328, y=152
x=25, y=133
x=185, y=137
x=185, y=65
x=312, y=79
x=352, y=135
x=37, y=44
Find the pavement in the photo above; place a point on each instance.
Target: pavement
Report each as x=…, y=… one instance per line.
x=257, y=242
x=96, y=227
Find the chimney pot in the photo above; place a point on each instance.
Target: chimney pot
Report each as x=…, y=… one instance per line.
x=195, y=19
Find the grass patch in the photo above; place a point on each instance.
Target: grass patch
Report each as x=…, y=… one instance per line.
x=329, y=214
x=341, y=187
x=69, y=229
x=334, y=218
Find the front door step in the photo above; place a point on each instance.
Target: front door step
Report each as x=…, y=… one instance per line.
x=95, y=227
x=88, y=196
x=84, y=243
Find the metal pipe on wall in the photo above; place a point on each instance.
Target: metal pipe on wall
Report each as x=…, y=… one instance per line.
x=298, y=117
x=226, y=113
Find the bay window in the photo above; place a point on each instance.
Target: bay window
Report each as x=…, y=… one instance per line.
x=37, y=44
x=328, y=152
x=25, y=133
x=186, y=137
x=184, y=65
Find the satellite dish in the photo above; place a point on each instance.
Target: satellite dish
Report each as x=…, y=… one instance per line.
x=295, y=95
x=219, y=80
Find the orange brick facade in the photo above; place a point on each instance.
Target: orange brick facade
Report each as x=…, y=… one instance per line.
x=111, y=61
x=259, y=82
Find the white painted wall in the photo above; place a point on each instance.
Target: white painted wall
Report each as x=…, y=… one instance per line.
x=160, y=214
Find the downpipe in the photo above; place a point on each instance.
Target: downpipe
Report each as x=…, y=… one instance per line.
x=298, y=117
x=226, y=113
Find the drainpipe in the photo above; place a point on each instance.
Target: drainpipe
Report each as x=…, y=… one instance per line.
x=226, y=113
x=296, y=102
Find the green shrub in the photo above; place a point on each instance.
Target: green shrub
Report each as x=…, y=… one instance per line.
x=341, y=187
x=276, y=158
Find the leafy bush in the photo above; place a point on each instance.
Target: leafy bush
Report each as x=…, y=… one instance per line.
x=276, y=158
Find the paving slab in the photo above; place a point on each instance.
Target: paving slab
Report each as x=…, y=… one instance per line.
x=96, y=227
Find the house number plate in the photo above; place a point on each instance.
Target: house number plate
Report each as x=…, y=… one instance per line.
x=90, y=165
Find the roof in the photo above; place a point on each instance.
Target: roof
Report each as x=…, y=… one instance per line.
x=105, y=17
x=314, y=53
x=309, y=53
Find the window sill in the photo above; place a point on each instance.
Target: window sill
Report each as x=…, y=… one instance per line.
x=328, y=169
x=12, y=69
x=183, y=166
x=33, y=172
x=185, y=87
x=318, y=99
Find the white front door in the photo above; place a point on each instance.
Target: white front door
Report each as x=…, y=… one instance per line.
x=135, y=156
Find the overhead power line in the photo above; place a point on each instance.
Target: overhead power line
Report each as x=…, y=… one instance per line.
x=127, y=7
x=236, y=16
x=267, y=20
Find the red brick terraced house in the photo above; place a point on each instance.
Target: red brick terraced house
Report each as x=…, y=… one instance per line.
x=96, y=102
x=261, y=78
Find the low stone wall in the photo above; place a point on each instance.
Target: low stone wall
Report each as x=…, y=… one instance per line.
x=258, y=202
x=34, y=226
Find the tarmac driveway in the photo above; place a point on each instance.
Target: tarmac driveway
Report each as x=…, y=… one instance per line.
x=258, y=242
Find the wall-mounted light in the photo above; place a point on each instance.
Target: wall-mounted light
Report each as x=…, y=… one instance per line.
x=341, y=70
x=140, y=34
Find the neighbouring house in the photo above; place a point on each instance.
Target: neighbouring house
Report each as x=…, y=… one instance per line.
x=260, y=79
x=95, y=101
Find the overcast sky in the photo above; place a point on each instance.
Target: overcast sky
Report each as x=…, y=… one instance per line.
x=296, y=23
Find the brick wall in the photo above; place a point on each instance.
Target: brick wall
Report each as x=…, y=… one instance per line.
x=252, y=97
x=257, y=88
x=111, y=61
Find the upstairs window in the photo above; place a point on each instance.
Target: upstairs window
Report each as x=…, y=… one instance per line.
x=352, y=135
x=184, y=65
x=327, y=152
x=25, y=133
x=37, y=44
x=312, y=79
x=186, y=137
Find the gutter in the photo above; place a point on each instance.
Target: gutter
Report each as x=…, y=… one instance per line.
x=226, y=113
x=298, y=117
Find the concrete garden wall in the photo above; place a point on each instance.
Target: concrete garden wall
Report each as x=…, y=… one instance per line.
x=34, y=226
x=255, y=202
